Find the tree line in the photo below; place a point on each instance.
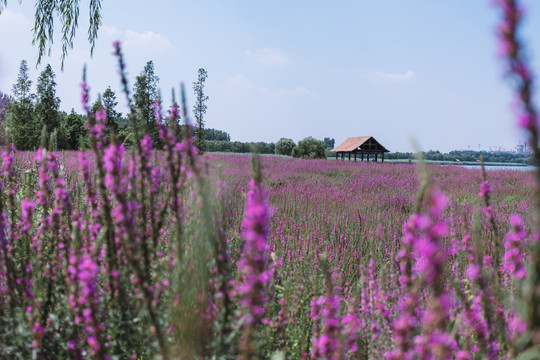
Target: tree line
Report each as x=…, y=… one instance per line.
x=307, y=148
x=465, y=155
x=26, y=116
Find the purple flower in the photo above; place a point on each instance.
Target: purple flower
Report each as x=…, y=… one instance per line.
x=427, y=250
x=112, y=163
x=27, y=209
x=116, y=45
x=98, y=131
x=101, y=115
x=325, y=310
x=174, y=112
x=514, y=245
x=157, y=112
x=253, y=265
x=485, y=190
x=511, y=49
x=85, y=98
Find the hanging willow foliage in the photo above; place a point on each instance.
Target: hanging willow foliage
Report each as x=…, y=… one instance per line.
x=67, y=11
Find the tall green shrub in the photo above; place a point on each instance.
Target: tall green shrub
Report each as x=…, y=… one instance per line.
x=309, y=148
x=285, y=146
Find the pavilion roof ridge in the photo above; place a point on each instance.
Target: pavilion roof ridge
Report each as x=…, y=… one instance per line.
x=353, y=143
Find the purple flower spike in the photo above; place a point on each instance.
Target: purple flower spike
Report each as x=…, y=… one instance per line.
x=27, y=209
x=112, y=163
x=85, y=97
x=326, y=309
x=511, y=49
x=485, y=190
x=116, y=45
x=514, y=245
x=98, y=131
x=253, y=265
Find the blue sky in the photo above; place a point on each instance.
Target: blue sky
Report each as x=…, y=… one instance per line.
x=394, y=69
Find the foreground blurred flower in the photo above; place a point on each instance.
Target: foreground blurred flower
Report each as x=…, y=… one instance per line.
x=513, y=244
x=253, y=265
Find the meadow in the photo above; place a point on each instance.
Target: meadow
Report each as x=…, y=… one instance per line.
x=314, y=259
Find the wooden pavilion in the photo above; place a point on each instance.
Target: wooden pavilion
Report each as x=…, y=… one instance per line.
x=361, y=145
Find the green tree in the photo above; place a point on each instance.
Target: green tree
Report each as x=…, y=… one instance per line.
x=47, y=102
x=109, y=103
x=199, y=109
x=285, y=146
x=309, y=148
x=145, y=94
x=67, y=11
x=23, y=128
x=125, y=132
x=5, y=101
x=329, y=143
x=22, y=88
x=75, y=130
x=215, y=135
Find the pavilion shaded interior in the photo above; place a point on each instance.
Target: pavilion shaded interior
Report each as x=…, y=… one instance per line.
x=359, y=147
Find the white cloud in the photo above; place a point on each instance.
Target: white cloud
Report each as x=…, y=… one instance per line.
x=149, y=40
x=268, y=56
x=241, y=81
x=380, y=76
x=14, y=20
x=110, y=30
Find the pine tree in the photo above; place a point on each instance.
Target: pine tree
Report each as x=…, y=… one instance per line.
x=23, y=129
x=22, y=88
x=199, y=109
x=145, y=94
x=109, y=104
x=5, y=101
x=47, y=102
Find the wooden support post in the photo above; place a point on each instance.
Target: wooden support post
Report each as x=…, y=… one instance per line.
x=355, y=156
x=337, y=155
x=362, y=156
x=375, y=157
x=382, y=157
x=349, y=156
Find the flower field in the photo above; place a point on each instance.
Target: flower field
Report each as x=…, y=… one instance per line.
x=138, y=253
x=295, y=259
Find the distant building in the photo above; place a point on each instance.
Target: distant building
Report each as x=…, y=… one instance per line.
x=361, y=145
x=520, y=149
